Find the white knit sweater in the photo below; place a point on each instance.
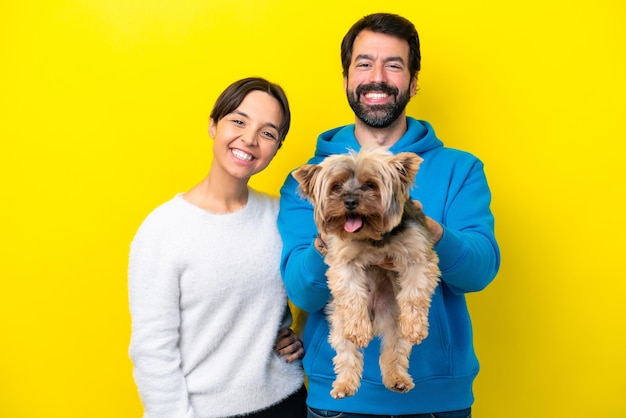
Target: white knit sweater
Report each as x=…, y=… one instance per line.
x=207, y=300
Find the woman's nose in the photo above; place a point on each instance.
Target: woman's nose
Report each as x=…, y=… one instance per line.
x=249, y=138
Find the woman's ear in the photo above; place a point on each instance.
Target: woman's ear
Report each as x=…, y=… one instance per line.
x=212, y=128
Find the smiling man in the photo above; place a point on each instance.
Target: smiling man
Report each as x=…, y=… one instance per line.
x=381, y=60
x=379, y=85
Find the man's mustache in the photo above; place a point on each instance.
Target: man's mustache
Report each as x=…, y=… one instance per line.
x=378, y=87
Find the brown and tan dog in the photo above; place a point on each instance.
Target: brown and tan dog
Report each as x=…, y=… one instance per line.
x=363, y=210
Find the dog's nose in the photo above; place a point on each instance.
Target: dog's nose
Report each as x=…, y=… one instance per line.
x=350, y=203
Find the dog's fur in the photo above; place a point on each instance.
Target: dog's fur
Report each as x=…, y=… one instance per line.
x=362, y=205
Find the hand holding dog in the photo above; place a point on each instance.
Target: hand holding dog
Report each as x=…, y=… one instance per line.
x=436, y=232
x=435, y=229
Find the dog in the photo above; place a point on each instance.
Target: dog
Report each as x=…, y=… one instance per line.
x=363, y=209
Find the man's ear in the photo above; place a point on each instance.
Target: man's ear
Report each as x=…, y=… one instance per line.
x=345, y=84
x=413, y=86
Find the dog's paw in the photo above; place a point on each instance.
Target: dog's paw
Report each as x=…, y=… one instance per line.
x=359, y=333
x=342, y=390
x=399, y=384
x=414, y=335
x=413, y=329
x=360, y=341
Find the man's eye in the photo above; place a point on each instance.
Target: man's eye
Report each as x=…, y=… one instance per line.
x=237, y=122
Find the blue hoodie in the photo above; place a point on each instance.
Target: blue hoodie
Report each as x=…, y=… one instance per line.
x=452, y=187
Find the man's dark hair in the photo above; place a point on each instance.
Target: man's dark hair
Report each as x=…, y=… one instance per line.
x=389, y=24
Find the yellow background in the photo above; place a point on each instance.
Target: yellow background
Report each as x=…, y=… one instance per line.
x=103, y=116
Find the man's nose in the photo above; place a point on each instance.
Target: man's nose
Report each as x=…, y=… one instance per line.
x=378, y=74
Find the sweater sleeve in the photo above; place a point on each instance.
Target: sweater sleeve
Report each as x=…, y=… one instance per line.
x=154, y=305
x=302, y=266
x=469, y=257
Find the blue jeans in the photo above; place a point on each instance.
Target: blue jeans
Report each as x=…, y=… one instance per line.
x=317, y=413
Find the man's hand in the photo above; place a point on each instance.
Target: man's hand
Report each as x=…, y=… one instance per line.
x=435, y=229
x=387, y=264
x=436, y=232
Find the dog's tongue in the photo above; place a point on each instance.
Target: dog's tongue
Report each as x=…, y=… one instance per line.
x=354, y=223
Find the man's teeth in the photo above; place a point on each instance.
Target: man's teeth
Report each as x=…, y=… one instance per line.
x=242, y=155
x=376, y=95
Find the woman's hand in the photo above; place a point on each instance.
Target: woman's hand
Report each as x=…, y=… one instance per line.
x=288, y=345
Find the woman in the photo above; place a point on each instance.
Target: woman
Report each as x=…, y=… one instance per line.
x=210, y=334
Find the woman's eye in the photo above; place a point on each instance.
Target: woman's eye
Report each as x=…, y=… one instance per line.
x=269, y=135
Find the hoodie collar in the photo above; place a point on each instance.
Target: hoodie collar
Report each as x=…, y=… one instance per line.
x=419, y=138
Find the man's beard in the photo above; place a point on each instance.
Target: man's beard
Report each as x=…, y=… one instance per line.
x=378, y=116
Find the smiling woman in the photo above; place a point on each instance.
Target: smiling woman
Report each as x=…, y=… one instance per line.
x=248, y=124
x=245, y=141
x=200, y=288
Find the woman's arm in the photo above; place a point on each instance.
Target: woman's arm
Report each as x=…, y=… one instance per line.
x=155, y=312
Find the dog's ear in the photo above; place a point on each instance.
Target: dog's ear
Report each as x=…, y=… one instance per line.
x=407, y=164
x=306, y=176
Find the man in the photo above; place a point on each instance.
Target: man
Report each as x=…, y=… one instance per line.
x=381, y=60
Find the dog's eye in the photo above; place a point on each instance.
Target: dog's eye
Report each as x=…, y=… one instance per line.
x=336, y=187
x=368, y=186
